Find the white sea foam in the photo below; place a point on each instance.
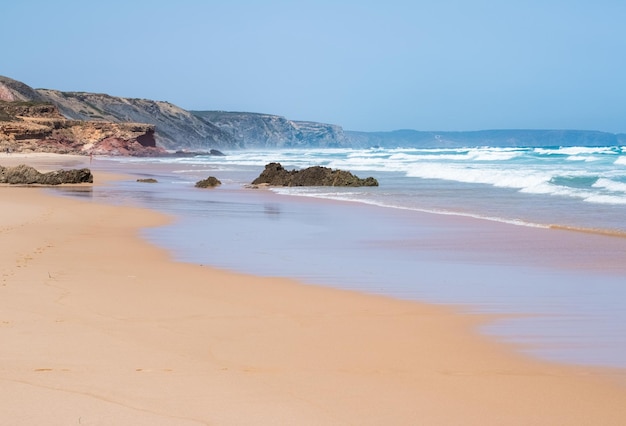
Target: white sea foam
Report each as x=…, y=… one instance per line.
x=575, y=150
x=522, y=186
x=586, y=158
x=528, y=170
x=557, y=190
x=493, y=154
x=621, y=161
x=357, y=197
x=374, y=163
x=606, y=199
x=610, y=185
x=499, y=177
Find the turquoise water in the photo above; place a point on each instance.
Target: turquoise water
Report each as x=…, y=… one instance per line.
x=487, y=247
x=574, y=186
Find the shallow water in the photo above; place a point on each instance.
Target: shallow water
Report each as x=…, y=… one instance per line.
x=575, y=186
x=567, y=287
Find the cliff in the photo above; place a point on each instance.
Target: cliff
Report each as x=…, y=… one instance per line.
x=175, y=128
x=30, y=123
x=92, y=122
x=34, y=127
x=170, y=127
x=254, y=130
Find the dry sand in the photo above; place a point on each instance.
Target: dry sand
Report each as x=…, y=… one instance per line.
x=99, y=327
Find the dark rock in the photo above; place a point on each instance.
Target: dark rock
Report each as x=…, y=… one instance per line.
x=148, y=180
x=276, y=175
x=186, y=153
x=210, y=182
x=27, y=175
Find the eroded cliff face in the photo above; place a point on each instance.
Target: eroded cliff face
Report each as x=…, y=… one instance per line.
x=175, y=128
x=165, y=124
x=34, y=127
x=253, y=130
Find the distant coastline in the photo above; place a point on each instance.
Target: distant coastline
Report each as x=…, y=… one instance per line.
x=528, y=138
x=177, y=129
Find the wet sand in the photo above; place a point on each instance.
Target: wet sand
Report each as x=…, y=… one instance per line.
x=99, y=327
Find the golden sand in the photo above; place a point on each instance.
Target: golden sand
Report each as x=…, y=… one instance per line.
x=99, y=327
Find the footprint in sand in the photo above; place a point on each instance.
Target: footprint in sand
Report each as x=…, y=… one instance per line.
x=44, y=370
x=150, y=370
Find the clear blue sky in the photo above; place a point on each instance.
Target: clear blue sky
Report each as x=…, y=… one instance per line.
x=365, y=65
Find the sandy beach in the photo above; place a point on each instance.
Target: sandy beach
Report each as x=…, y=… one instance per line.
x=98, y=327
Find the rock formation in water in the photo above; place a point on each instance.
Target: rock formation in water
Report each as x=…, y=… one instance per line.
x=210, y=182
x=27, y=175
x=276, y=175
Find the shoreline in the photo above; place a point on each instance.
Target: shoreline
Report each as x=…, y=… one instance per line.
x=100, y=325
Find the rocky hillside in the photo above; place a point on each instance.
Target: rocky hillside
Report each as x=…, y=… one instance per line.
x=162, y=125
x=172, y=127
x=253, y=130
x=39, y=127
x=175, y=127
x=29, y=123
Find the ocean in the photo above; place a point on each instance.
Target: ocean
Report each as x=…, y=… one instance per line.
x=535, y=236
x=574, y=186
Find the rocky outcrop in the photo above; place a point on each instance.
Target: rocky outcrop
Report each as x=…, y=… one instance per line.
x=252, y=130
x=27, y=175
x=27, y=126
x=276, y=175
x=185, y=153
x=210, y=182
